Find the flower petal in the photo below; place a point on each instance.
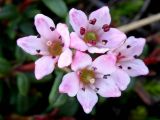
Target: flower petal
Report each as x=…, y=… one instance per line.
x=121, y=79
x=45, y=26
x=33, y=45
x=64, y=32
x=87, y=99
x=114, y=38
x=80, y=60
x=70, y=84
x=65, y=58
x=107, y=88
x=77, y=43
x=78, y=19
x=105, y=64
x=97, y=50
x=134, y=67
x=132, y=47
x=44, y=66
x=102, y=16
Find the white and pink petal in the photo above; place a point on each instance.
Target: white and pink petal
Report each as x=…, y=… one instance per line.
x=112, y=39
x=80, y=60
x=135, y=67
x=78, y=20
x=107, y=88
x=87, y=98
x=102, y=17
x=63, y=31
x=65, y=59
x=45, y=26
x=105, y=64
x=33, y=45
x=70, y=84
x=121, y=78
x=77, y=43
x=44, y=66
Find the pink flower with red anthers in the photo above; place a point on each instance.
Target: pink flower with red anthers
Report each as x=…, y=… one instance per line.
x=127, y=63
x=52, y=43
x=94, y=34
x=89, y=78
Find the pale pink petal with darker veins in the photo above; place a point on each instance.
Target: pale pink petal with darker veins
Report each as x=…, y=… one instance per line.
x=111, y=39
x=107, y=88
x=80, y=60
x=135, y=67
x=132, y=47
x=70, y=84
x=87, y=99
x=77, y=43
x=102, y=16
x=45, y=26
x=105, y=64
x=121, y=78
x=33, y=45
x=65, y=59
x=77, y=19
x=62, y=29
x=44, y=66
x=97, y=50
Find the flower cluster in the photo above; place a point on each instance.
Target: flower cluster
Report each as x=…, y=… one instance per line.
x=106, y=75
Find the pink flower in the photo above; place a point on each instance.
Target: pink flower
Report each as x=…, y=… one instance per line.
x=89, y=78
x=128, y=63
x=52, y=43
x=95, y=34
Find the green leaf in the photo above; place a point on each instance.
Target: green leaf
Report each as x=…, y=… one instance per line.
x=8, y=11
x=57, y=6
x=60, y=100
x=22, y=104
x=23, y=84
x=5, y=67
x=70, y=107
x=54, y=91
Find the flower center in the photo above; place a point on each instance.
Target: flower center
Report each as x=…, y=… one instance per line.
x=87, y=76
x=91, y=38
x=55, y=48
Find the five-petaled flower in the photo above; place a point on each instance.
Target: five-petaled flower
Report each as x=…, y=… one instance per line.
x=127, y=63
x=89, y=78
x=107, y=75
x=95, y=34
x=52, y=43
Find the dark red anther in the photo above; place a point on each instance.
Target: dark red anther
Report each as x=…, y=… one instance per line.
x=93, y=21
x=106, y=27
x=82, y=31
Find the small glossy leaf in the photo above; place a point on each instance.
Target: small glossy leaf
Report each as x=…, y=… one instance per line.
x=5, y=67
x=23, y=84
x=57, y=6
x=54, y=91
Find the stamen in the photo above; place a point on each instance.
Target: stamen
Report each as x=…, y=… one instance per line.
x=104, y=42
x=49, y=43
x=82, y=31
x=135, y=56
x=106, y=76
x=93, y=21
x=92, y=80
x=128, y=46
x=38, y=51
x=129, y=68
x=52, y=28
x=120, y=67
x=83, y=89
x=60, y=37
x=106, y=27
x=38, y=36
